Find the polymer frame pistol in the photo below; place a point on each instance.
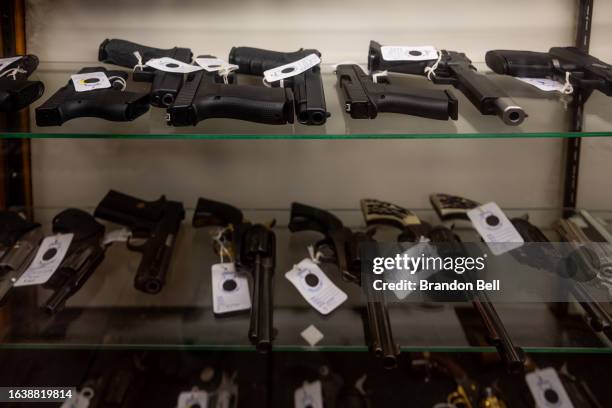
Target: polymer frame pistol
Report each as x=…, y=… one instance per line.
x=307, y=87
x=253, y=248
x=456, y=69
x=164, y=85
x=344, y=247
x=16, y=91
x=155, y=222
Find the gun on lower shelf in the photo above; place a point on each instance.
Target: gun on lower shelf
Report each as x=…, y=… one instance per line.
x=204, y=95
x=114, y=103
x=456, y=69
x=84, y=255
x=570, y=65
x=365, y=98
x=344, y=246
x=307, y=87
x=19, y=240
x=452, y=247
x=253, y=248
x=164, y=85
x=155, y=222
x=16, y=92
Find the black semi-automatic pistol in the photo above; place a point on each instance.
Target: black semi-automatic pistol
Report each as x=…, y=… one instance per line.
x=164, y=85
x=307, y=87
x=19, y=240
x=156, y=222
x=84, y=255
x=456, y=69
x=16, y=92
x=253, y=248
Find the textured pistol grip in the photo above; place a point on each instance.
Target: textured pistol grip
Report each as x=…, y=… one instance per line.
x=254, y=61
x=440, y=105
x=15, y=95
x=520, y=63
x=121, y=52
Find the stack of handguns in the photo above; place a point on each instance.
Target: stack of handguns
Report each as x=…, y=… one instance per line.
x=211, y=92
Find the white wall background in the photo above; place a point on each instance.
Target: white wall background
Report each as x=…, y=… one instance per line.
x=257, y=174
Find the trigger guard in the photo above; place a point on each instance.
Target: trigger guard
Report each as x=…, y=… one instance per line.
x=325, y=248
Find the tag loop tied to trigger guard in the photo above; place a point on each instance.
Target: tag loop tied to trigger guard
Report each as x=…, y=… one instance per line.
x=281, y=83
x=223, y=251
x=431, y=71
x=120, y=80
x=12, y=73
x=568, y=88
x=139, y=63
x=377, y=75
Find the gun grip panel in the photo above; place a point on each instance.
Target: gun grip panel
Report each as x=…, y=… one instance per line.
x=129, y=211
x=254, y=61
x=520, y=63
x=121, y=52
x=209, y=212
x=439, y=105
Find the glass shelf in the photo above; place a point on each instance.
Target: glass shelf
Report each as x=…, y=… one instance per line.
x=109, y=313
x=548, y=117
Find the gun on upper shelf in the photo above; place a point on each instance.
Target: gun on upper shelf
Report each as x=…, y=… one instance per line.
x=344, y=245
x=16, y=92
x=254, y=250
x=164, y=85
x=584, y=72
x=84, y=255
x=114, y=103
x=156, y=222
x=204, y=95
x=364, y=98
x=307, y=87
x=456, y=69
x=19, y=240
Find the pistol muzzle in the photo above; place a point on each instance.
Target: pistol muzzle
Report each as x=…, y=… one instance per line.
x=509, y=112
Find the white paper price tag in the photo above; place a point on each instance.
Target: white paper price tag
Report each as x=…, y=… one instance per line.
x=194, y=398
x=495, y=228
x=230, y=289
x=5, y=62
x=90, y=81
x=544, y=84
x=547, y=389
x=310, y=395
x=215, y=64
x=315, y=287
x=291, y=69
x=167, y=64
x=118, y=235
x=50, y=254
x=401, y=53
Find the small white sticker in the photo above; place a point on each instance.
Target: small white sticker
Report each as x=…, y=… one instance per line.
x=544, y=84
x=495, y=228
x=230, y=289
x=5, y=62
x=291, y=69
x=309, y=395
x=401, y=53
x=315, y=287
x=547, y=389
x=48, y=258
x=193, y=398
x=312, y=335
x=215, y=64
x=90, y=81
x=167, y=64
x=118, y=235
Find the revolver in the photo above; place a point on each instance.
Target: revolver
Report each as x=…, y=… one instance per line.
x=84, y=255
x=155, y=222
x=164, y=85
x=307, y=87
x=112, y=103
x=584, y=72
x=205, y=96
x=19, y=240
x=456, y=69
x=254, y=250
x=16, y=92
x=364, y=98
x=344, y=246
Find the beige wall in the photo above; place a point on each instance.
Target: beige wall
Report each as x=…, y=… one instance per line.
x=516, y=173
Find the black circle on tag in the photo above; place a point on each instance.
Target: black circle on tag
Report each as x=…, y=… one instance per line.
x=492, y=220
x=214, y=66
x=229, y=285
x=312, y=280
x=415, y=53
x=288, y=70
x=172, y=65
x=551, y=396
x=91, y=80
x=49, y=254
